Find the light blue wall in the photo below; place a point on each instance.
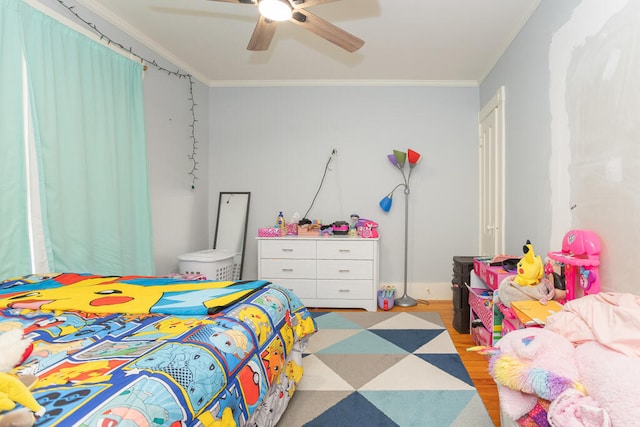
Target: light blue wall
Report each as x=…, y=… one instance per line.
x=524, y=71
x=572, y=131
x=275, y=141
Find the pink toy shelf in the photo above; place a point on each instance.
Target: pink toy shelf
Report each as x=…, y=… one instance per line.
x=580, y=257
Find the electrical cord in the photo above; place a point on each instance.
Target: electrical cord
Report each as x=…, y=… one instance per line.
x=324, y=175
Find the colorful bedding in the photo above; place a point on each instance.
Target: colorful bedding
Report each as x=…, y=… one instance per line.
x=156, y=351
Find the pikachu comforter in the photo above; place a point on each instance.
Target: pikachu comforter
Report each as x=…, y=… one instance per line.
x=157, y=351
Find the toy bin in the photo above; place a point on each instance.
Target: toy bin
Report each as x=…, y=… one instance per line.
x=481, y=302
x=385, y=299
x=480, y=265
x=495, y=275
x=215, y=264
x=269, y=232
x=481, y=336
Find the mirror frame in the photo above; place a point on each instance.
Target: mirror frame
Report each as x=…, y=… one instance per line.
x=244, y=226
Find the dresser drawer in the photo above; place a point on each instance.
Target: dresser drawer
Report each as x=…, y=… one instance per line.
x=345, y=269
x=288, y=268
x=303, y=288
x=298, y=249
x=342, y=249
x=350, y=289
x=323, y=271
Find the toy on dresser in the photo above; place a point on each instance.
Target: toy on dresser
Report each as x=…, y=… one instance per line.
x=367, y=228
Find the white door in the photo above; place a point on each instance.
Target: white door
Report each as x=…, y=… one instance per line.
x=491, y=179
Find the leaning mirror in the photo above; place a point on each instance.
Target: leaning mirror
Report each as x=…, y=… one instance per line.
x=231, y=227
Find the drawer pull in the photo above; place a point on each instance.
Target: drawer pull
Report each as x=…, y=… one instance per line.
x=344, y=270
x=287, y=269
x=343, y=291
x=344, y=250
x=287, y=250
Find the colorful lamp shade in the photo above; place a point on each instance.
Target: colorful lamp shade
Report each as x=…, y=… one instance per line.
x=386, y=202
x=414, y=157
x=400, y=156
x=392, y=159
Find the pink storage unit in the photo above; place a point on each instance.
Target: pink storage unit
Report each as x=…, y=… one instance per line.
x=495, y=275
x=485, y=321
x=480, y=301
x=507, y=326
x=480, y=265
x=508, y=314
x=481, y=336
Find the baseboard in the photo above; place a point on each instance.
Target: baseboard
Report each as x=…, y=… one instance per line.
x=426, y=290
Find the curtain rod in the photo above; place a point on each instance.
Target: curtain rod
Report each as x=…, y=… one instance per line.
x=69, y=23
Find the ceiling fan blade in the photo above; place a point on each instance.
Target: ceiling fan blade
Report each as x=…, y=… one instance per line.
x=308, y=3
x=326, y=30
x=262, y=34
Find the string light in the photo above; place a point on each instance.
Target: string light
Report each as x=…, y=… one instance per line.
x=194, y=141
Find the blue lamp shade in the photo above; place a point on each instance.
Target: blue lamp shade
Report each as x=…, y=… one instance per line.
x=392, y=159
x=385, y=203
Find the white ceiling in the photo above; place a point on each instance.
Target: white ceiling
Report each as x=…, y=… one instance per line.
x=406, y=41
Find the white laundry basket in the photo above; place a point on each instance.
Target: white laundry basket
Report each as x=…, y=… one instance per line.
x=215, y=264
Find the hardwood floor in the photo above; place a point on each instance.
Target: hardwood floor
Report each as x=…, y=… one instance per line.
x=476, y=364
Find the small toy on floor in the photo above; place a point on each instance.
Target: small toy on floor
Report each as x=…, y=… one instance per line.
x=15, y=348
x=386, y=297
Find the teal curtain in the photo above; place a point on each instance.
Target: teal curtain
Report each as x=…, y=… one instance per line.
x=14, y=233
x=88, y=119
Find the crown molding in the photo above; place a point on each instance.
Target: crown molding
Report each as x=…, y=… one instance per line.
x=139, y=36
x=345, y=82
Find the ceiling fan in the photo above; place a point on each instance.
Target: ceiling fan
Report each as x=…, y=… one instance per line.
x=273, y=11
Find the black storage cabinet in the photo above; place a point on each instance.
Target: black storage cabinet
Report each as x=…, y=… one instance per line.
x=462, y=268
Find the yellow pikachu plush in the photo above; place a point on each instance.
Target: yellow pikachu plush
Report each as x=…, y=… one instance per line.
x=530, y=267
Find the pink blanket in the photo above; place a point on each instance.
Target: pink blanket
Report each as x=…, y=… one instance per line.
x=595, y=343
x=611, y=319
x=611, y=379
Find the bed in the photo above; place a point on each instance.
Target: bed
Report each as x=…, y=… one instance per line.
x=157, y=351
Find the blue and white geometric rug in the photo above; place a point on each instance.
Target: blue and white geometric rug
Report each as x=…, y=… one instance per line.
x=383, y=369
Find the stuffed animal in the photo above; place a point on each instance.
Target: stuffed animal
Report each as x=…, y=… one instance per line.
x=535, y=365
x=530, y=267
x=14, y=349
x=531, y=363
x=528, y=283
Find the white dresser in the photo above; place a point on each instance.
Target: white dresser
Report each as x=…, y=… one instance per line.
x=332, y=271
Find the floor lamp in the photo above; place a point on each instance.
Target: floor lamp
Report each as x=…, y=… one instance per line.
x=398, y=159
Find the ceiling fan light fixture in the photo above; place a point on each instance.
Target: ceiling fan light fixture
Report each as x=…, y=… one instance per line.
x=275, y=10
